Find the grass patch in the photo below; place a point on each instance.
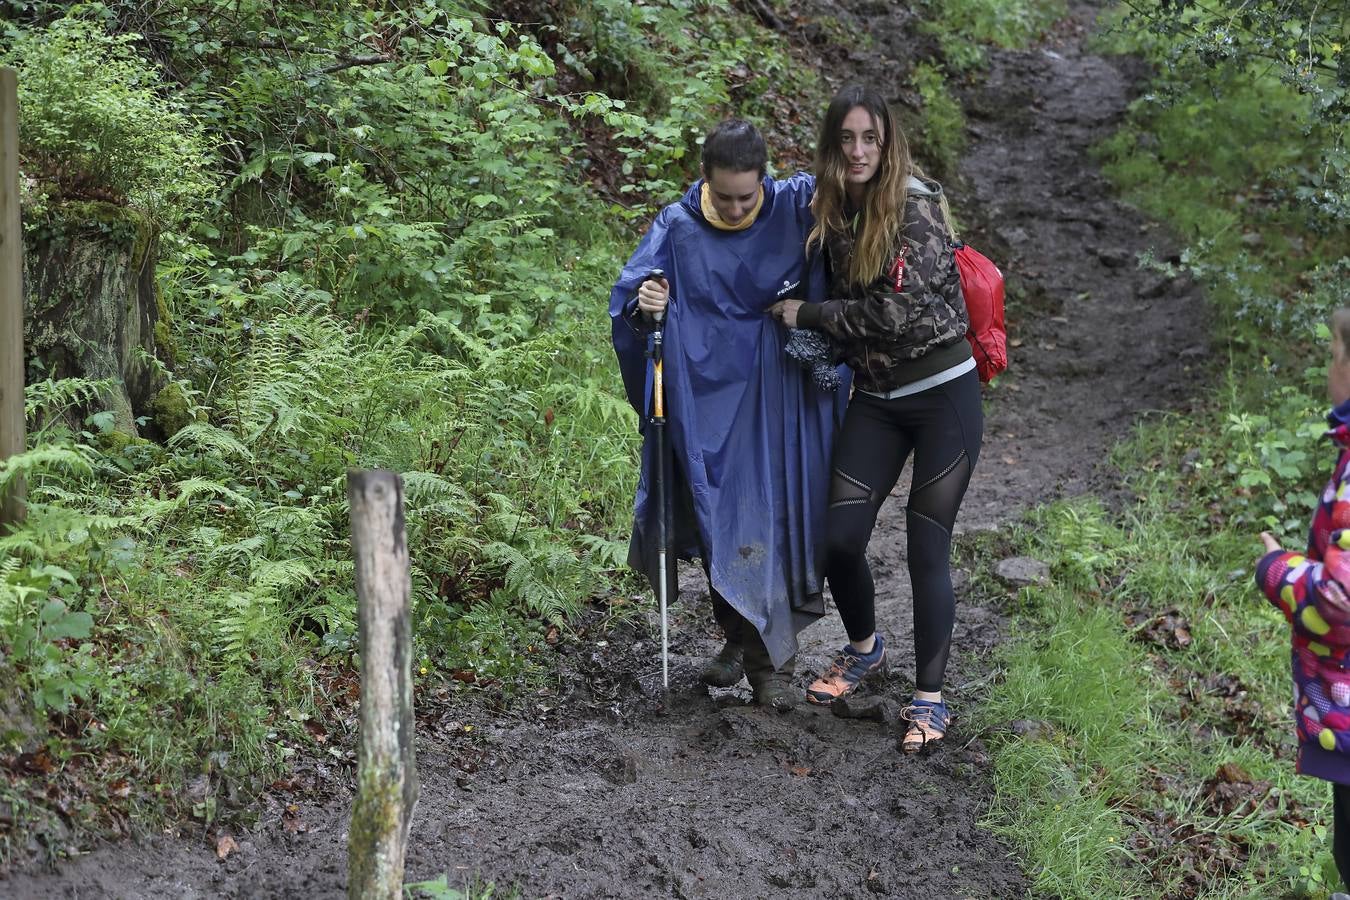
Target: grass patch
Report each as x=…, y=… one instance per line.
x=1152, y=756
x=964, y=27
x=1161, y=762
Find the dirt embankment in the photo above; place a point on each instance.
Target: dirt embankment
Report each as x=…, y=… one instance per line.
x=599, y=790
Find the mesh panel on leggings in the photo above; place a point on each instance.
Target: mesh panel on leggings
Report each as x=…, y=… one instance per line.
x=939, y=498
x=845, y=490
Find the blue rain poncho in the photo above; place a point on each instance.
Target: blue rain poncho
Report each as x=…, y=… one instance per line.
x=749, y=431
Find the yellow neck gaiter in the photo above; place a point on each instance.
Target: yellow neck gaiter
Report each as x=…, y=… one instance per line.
x=710, y=212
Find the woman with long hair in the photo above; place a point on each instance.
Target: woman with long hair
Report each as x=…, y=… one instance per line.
x=897, y=316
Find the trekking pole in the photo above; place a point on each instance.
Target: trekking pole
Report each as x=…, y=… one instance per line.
x=663, y=527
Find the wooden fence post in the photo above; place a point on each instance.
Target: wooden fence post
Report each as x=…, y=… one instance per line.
x=387, y=785
x=12, y=427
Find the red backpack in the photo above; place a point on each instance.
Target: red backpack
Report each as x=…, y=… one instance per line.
x=982, y=285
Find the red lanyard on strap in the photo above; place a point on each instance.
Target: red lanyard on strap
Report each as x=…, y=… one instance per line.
x=896, y=273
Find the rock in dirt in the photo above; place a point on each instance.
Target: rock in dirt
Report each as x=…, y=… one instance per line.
x=873, y=707
x=1020, y=571
x=1031, y=729
x=1154, y=287
x=1114, y=257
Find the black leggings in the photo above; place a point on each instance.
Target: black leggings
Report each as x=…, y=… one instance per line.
x=943, y=426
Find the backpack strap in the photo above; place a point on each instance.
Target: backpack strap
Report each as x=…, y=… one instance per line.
x=916, y=186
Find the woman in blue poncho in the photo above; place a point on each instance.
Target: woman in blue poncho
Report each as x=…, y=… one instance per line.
x=750, y=434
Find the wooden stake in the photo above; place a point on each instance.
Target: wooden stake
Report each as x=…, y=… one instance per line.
x=387, y=786
x=12, y=427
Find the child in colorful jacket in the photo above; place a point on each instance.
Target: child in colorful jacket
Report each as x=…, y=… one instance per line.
x=1312, y=589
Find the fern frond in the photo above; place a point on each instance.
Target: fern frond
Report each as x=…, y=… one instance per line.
x=227, y=554
x=54, y=396
x=275, y=575
x=207, y=437
x=610, y=554
x=425, y=487
x=528, y=580
x=74, y=459
x=191, y=488
x=246, y=618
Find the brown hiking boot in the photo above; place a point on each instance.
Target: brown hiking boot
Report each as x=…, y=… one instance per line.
x=772, y=687
x=724, y=669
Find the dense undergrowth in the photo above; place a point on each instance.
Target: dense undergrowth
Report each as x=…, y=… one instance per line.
x=387, y=234
x=387, y=238
x=1150, y=680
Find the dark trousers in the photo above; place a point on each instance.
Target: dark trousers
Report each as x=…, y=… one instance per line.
x=737, y=627
x=734, y=625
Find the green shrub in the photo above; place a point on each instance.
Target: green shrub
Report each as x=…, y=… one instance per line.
x=93, y=123
x=963, y=26
x=942, y=130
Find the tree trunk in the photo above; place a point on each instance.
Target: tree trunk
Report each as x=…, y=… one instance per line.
x=387, y=785
x=92, y=305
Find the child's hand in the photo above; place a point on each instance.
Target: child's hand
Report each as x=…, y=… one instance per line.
x=1269, y=540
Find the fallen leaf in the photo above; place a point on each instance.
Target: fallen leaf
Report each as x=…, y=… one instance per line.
x=316, y=731
x=291, y=821
x=225, y=845
x=39, y=763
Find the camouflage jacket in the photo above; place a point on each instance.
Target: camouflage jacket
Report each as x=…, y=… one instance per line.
x=911, y=321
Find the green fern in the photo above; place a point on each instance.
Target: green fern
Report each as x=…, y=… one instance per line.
x=210, y=439
x=274, y=576
x=539, y=580
x=69, y=459
x=246, y=619
x=47, y=400
x=610, y=554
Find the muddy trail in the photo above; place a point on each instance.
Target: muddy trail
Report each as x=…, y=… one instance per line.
x=600, y=789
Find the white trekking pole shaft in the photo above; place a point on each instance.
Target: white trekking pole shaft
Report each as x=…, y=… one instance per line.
x=663, y=505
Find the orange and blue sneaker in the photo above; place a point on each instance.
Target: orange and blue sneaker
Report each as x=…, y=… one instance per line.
x=925, y=723
x=849, y=669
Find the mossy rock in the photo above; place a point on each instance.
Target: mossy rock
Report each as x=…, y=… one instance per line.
x=171, y=410
x=115, y=441
x=121, y=222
